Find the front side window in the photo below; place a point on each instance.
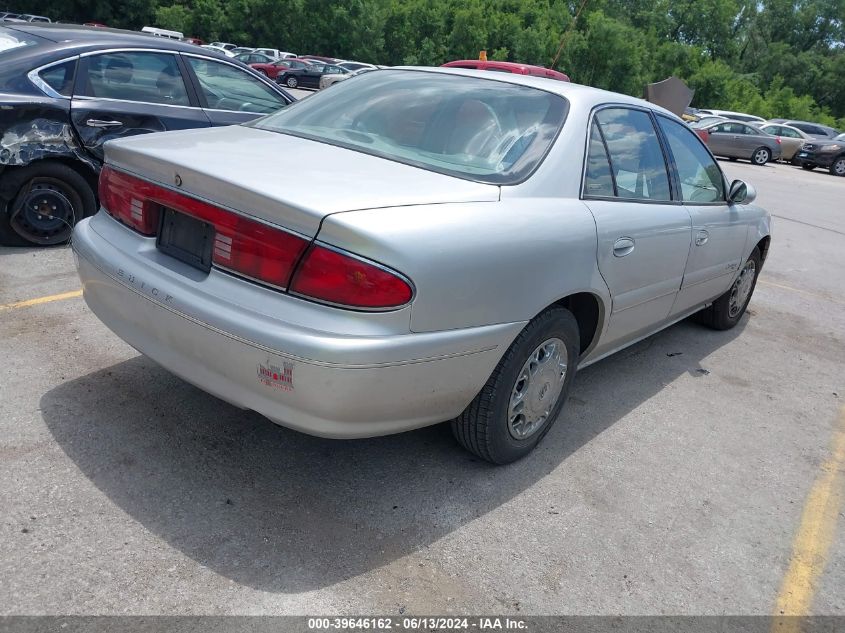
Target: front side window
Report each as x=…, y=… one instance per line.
x=60, y=77
x=136, y=76
x=637, y=163
x=785, y=131
x=700, y=176
x=226, y=87
x=478, y=129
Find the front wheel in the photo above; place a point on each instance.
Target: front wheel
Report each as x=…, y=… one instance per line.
x=728, y=309
x=524, y=395
x=761, y=156
x=837, y=167
x=291, y=82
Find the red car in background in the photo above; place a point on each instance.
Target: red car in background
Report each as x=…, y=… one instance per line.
x=507, y=67
x=280, y=67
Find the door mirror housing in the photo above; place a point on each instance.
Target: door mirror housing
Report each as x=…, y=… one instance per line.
x=741, y=192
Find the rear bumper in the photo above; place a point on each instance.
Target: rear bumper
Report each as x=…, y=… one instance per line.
x=323, y=383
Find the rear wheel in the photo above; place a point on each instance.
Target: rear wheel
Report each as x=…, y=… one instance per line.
x=761, y=156
x=525, y=393
x=50, y=199
x=728, y=309
x=291, y=82
x=837, y=167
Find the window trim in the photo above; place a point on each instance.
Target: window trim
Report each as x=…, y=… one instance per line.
x=660, y=141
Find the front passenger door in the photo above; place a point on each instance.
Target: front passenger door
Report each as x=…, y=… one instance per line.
x=124, y=93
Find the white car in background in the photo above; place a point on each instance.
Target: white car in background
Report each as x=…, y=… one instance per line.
x=223, y=51
x=736, y=116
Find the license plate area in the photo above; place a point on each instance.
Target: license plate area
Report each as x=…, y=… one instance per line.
x=186, y=238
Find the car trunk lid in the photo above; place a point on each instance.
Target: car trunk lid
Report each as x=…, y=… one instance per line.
x=282, y=179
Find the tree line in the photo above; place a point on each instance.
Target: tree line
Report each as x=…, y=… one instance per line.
x=774, y=58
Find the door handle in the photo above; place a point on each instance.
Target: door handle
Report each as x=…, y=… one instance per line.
x=99, y=123
x=623, y=246
x=701, y=238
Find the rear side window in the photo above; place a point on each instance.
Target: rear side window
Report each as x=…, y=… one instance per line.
x=637, y=163
x=597, y=179
x=60, y=77
x=700, y=176
x=135, y=76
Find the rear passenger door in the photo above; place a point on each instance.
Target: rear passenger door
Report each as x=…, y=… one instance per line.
x=719, y=230
x=643, y=234
x=230, y=94
x=123, y=93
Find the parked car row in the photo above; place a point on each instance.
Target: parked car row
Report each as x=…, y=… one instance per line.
x=736, y=135
x=7, y=16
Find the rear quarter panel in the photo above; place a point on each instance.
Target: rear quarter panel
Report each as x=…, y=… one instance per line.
x=479, y=263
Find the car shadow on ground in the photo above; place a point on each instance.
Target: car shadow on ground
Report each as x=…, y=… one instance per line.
x=281, y=511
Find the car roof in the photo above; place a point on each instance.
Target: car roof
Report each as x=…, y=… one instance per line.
x=77, y=35
x=583, y=96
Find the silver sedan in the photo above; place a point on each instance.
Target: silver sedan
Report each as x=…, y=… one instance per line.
x=415, y=246
x=736, y=139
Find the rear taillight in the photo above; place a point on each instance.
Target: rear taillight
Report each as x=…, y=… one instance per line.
x=259, y=251
x=341, y=279
x=129, y=200
x=777, y=138
x=242, y=245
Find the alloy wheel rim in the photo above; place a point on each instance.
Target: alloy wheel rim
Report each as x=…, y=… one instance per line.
x=762, y=156
x=839, y=167
x=537, y=388
x=741, y=289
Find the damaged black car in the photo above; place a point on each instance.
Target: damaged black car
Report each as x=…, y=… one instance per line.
x=65, y=90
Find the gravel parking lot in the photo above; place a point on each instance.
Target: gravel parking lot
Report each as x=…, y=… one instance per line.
x=678, y=479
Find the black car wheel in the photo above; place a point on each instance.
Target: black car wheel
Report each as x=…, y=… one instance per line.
x=291, y=82
x=807, y=166
x=837, y=167
x=761, y=156
x=525, y=393
x=50, y=199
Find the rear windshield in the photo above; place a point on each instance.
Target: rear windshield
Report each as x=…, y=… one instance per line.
x=12, y=40
x=478, y=129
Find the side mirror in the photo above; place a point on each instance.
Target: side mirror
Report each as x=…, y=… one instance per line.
x=741, y=193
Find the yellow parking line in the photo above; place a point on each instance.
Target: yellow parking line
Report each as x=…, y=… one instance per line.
x=815, y=534
x=815, y=295
x=34, y=302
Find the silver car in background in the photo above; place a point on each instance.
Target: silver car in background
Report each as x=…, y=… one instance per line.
x=415, y=246
x=736, y=139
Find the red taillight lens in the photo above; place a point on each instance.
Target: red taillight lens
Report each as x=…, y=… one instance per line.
x=129, y=200
x=333, y=277
x=242, y=245
x=255, y=250
x=777, y=139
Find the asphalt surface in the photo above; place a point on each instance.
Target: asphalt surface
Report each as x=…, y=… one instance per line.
x=674, y=482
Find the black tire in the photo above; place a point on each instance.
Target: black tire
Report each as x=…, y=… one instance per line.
x=53, y=187
x=722, y=315
x=291, y=82
x=807, y=167
x=733, y=159
x=761, y=156
x=483, y=428
x=837, y=167
x=261, y=72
